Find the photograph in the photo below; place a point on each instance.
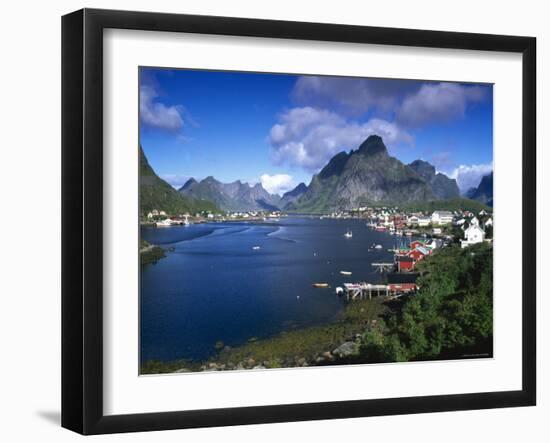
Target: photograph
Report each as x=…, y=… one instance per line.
x=293, y=220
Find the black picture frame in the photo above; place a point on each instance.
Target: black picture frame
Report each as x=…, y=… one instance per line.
x=82, y=218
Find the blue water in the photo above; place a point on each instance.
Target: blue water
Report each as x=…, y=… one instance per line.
x=213, y=286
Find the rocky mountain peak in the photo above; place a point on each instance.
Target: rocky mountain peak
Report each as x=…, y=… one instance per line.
x=189, y=183
x=373, y=145
x=423, y=168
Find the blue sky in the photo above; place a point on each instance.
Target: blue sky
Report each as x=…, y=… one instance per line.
x=280, y=129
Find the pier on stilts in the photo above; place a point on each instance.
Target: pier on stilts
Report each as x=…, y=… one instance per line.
x=358, y=291
x=383, y=267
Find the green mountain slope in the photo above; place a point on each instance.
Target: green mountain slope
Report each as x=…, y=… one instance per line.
x=155, y=193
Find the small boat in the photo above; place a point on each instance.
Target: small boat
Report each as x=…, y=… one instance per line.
x=320, y=285
x=345, y=272
x=164, y=223
x=255, y=248
x=339, y=290
x=348, y=234
x=378, y=247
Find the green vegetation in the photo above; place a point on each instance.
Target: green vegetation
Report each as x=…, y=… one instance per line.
x=161, y=367
x=150, y=254
x=452, y=312
x=155, y=193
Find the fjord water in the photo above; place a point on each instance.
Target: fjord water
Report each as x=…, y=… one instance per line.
x=213, y=286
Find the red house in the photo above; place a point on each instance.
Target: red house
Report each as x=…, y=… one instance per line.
x=416, y=243
x=399, y=283
x=416, y=254
x=404, y=263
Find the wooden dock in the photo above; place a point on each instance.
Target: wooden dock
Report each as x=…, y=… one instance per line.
x=358, y=291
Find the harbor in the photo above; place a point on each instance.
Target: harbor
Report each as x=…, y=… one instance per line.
x=297, y=272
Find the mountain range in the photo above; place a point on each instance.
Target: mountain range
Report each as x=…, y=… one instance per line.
x=361, y=177
x=484, y=191
x=235, y=196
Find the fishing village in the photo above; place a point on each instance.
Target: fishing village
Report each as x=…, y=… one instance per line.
x=418, y=237
x=425, y=234
x=327, y=227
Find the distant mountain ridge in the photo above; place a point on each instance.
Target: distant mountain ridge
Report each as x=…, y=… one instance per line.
x=155, y=193
x=442, y=186
x=234, y=196
x=368, y=175
x=484, y=191
x=293, y=195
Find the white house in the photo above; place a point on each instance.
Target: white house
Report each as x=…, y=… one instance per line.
x=424, y=221
x=489, y=222
x=474, y=234
x=442, y=217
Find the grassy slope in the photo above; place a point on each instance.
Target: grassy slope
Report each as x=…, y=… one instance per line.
x=155, y=193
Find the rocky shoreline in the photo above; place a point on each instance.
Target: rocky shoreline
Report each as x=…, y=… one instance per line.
x=328, y=344
x=345, y=350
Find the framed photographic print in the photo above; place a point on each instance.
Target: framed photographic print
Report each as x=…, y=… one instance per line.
x=269, y=221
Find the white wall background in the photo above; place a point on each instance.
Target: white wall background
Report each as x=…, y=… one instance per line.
x=30, y=218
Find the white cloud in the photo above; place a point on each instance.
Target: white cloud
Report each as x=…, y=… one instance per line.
x=156, y=114
x=278, y=183
x=308, y=137
x=350, y=95
x=439, y=102
x=469, y=176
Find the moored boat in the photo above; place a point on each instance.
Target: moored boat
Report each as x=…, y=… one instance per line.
x=164, y=223
x=320, y=285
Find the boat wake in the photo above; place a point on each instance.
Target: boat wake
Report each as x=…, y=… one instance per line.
x=277, y=235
